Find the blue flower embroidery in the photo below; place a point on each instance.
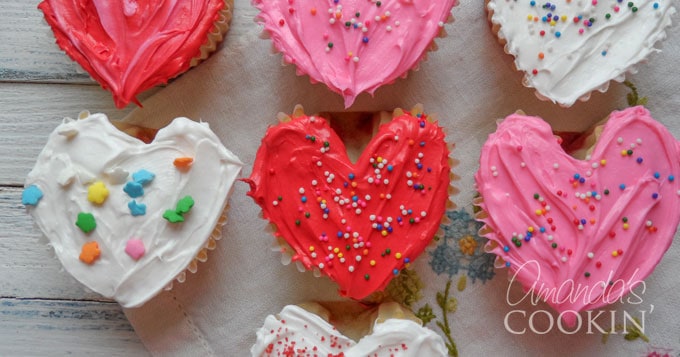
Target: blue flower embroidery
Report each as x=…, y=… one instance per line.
x=462, y=248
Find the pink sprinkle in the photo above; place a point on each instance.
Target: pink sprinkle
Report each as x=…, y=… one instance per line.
x=616, y=9
x=325, y=36
x=580, y=31
x=135, y=248
x=594, y=2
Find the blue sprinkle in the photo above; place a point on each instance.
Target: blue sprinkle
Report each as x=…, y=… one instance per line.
x=582, y=180
x=379, y=227
x=506, y=249
x=407, y=260
x=671, y=178
x=399, y=219
x=558, y=34
x=137, y=209
x=143, y=177
x=133, y=189
x=420, y=166
x=527, y=238
x=303, y=199
x=583, y=221
x=577, y=176
x=656, y=5
x=422, y=143
x=655, y=195
x=657, y=175
x=639, y=160
x=345, y=184
x=422, y=124
x=390, y=168
x=351, y=176
x=395, y=271
x=31, y=196
x=326, y=210
x=410, y=211
x=365, y=39
x=604, y=53
x=355, y=198
x=339, y=234
x=622, y=186
x=542, y=229
x=390, y=229
x=507, y=264
x=532, y=3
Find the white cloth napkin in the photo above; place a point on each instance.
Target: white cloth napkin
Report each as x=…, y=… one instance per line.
x=469, y=82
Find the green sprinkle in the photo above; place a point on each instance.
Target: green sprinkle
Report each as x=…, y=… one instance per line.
x=173, y=216
x=86, y=222
x=184, y=205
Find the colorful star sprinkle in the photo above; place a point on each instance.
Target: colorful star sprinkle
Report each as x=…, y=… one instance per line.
x=31, y=196
x=135, y=248
x=183, y=207
x=97, y=193
x=86, y=222
x=90, y=253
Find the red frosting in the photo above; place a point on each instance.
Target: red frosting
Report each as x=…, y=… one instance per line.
x=129, y=46
x=358, y=223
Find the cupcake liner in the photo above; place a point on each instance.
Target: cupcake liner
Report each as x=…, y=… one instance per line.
x=215, y=37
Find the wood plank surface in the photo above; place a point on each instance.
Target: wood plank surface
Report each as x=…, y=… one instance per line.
x=58, y=328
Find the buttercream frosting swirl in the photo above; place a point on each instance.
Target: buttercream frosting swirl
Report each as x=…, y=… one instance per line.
x=90, y=167
x=129, y=46
x=580, y=234
x=353, y=46
x=568, y=49
x=298, y=332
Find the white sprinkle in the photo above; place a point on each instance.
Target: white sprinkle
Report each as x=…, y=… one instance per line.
x=619, y=140
x=550, y=237
x=595, y=165
x=386, y=182
x=355, y=59
x=358, y=258
x=331, y=20
x=301, y=190
x=564, y=259
x=495, y=174
x=367, y=197
x=321, y=265
x=358, y=211
x=591, y=255
x=580, y=227
x=315, y=182
x=318, y=163
x=351, y=268
x=371, y=218
x=648, y=223
x=523, y=164
x=556, y=166
x=388, y=29
x=423, y=213
x=275, y=203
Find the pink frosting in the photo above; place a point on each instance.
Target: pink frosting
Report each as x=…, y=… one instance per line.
x=588, y=231
x=129, y=46
x=353, y=46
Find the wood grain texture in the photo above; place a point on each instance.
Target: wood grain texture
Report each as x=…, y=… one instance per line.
x=57, y=328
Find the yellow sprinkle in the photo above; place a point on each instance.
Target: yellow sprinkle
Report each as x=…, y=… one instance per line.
x=530, y=229
x=564, y=18
x=311, y=248
x=553, y=23
x=624, y=153
x=384, y=233
x=97, y=193
x=398, y=255
x=336, y=250
x=603, y=162
x=625, y=226
x=538, y=212
x=340, y=255
x=615, y=254
x=530, y=17
x=372, y=263
x=380, y=159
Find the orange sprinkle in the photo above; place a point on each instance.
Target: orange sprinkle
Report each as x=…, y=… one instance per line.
x=541, y=55
x=313, y=11
x=183, y=163
x=354, y=184
x=90, y=252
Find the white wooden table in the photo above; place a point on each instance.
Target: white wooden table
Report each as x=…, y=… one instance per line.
x=43, y=311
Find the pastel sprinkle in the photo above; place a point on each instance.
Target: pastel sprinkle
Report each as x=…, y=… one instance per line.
x=31, y=196
x=137, y=209
x=90, y=252
x=133, y=189
x=143, y=177
x=86, y=222
x=135, y=248
x=173, y=217
x=97, y=193
x=183, y=163
x=185, y=204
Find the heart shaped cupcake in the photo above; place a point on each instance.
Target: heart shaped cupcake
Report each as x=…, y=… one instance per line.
x=129, y=46
x=387, y=330
x=580, y=234
x=353, y=46
x=358, y=223
x=567, y=49
x=124, y=217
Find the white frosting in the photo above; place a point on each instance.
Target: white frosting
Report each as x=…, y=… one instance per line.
x=303, y=332
x=576, y=63
x=79, y=152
